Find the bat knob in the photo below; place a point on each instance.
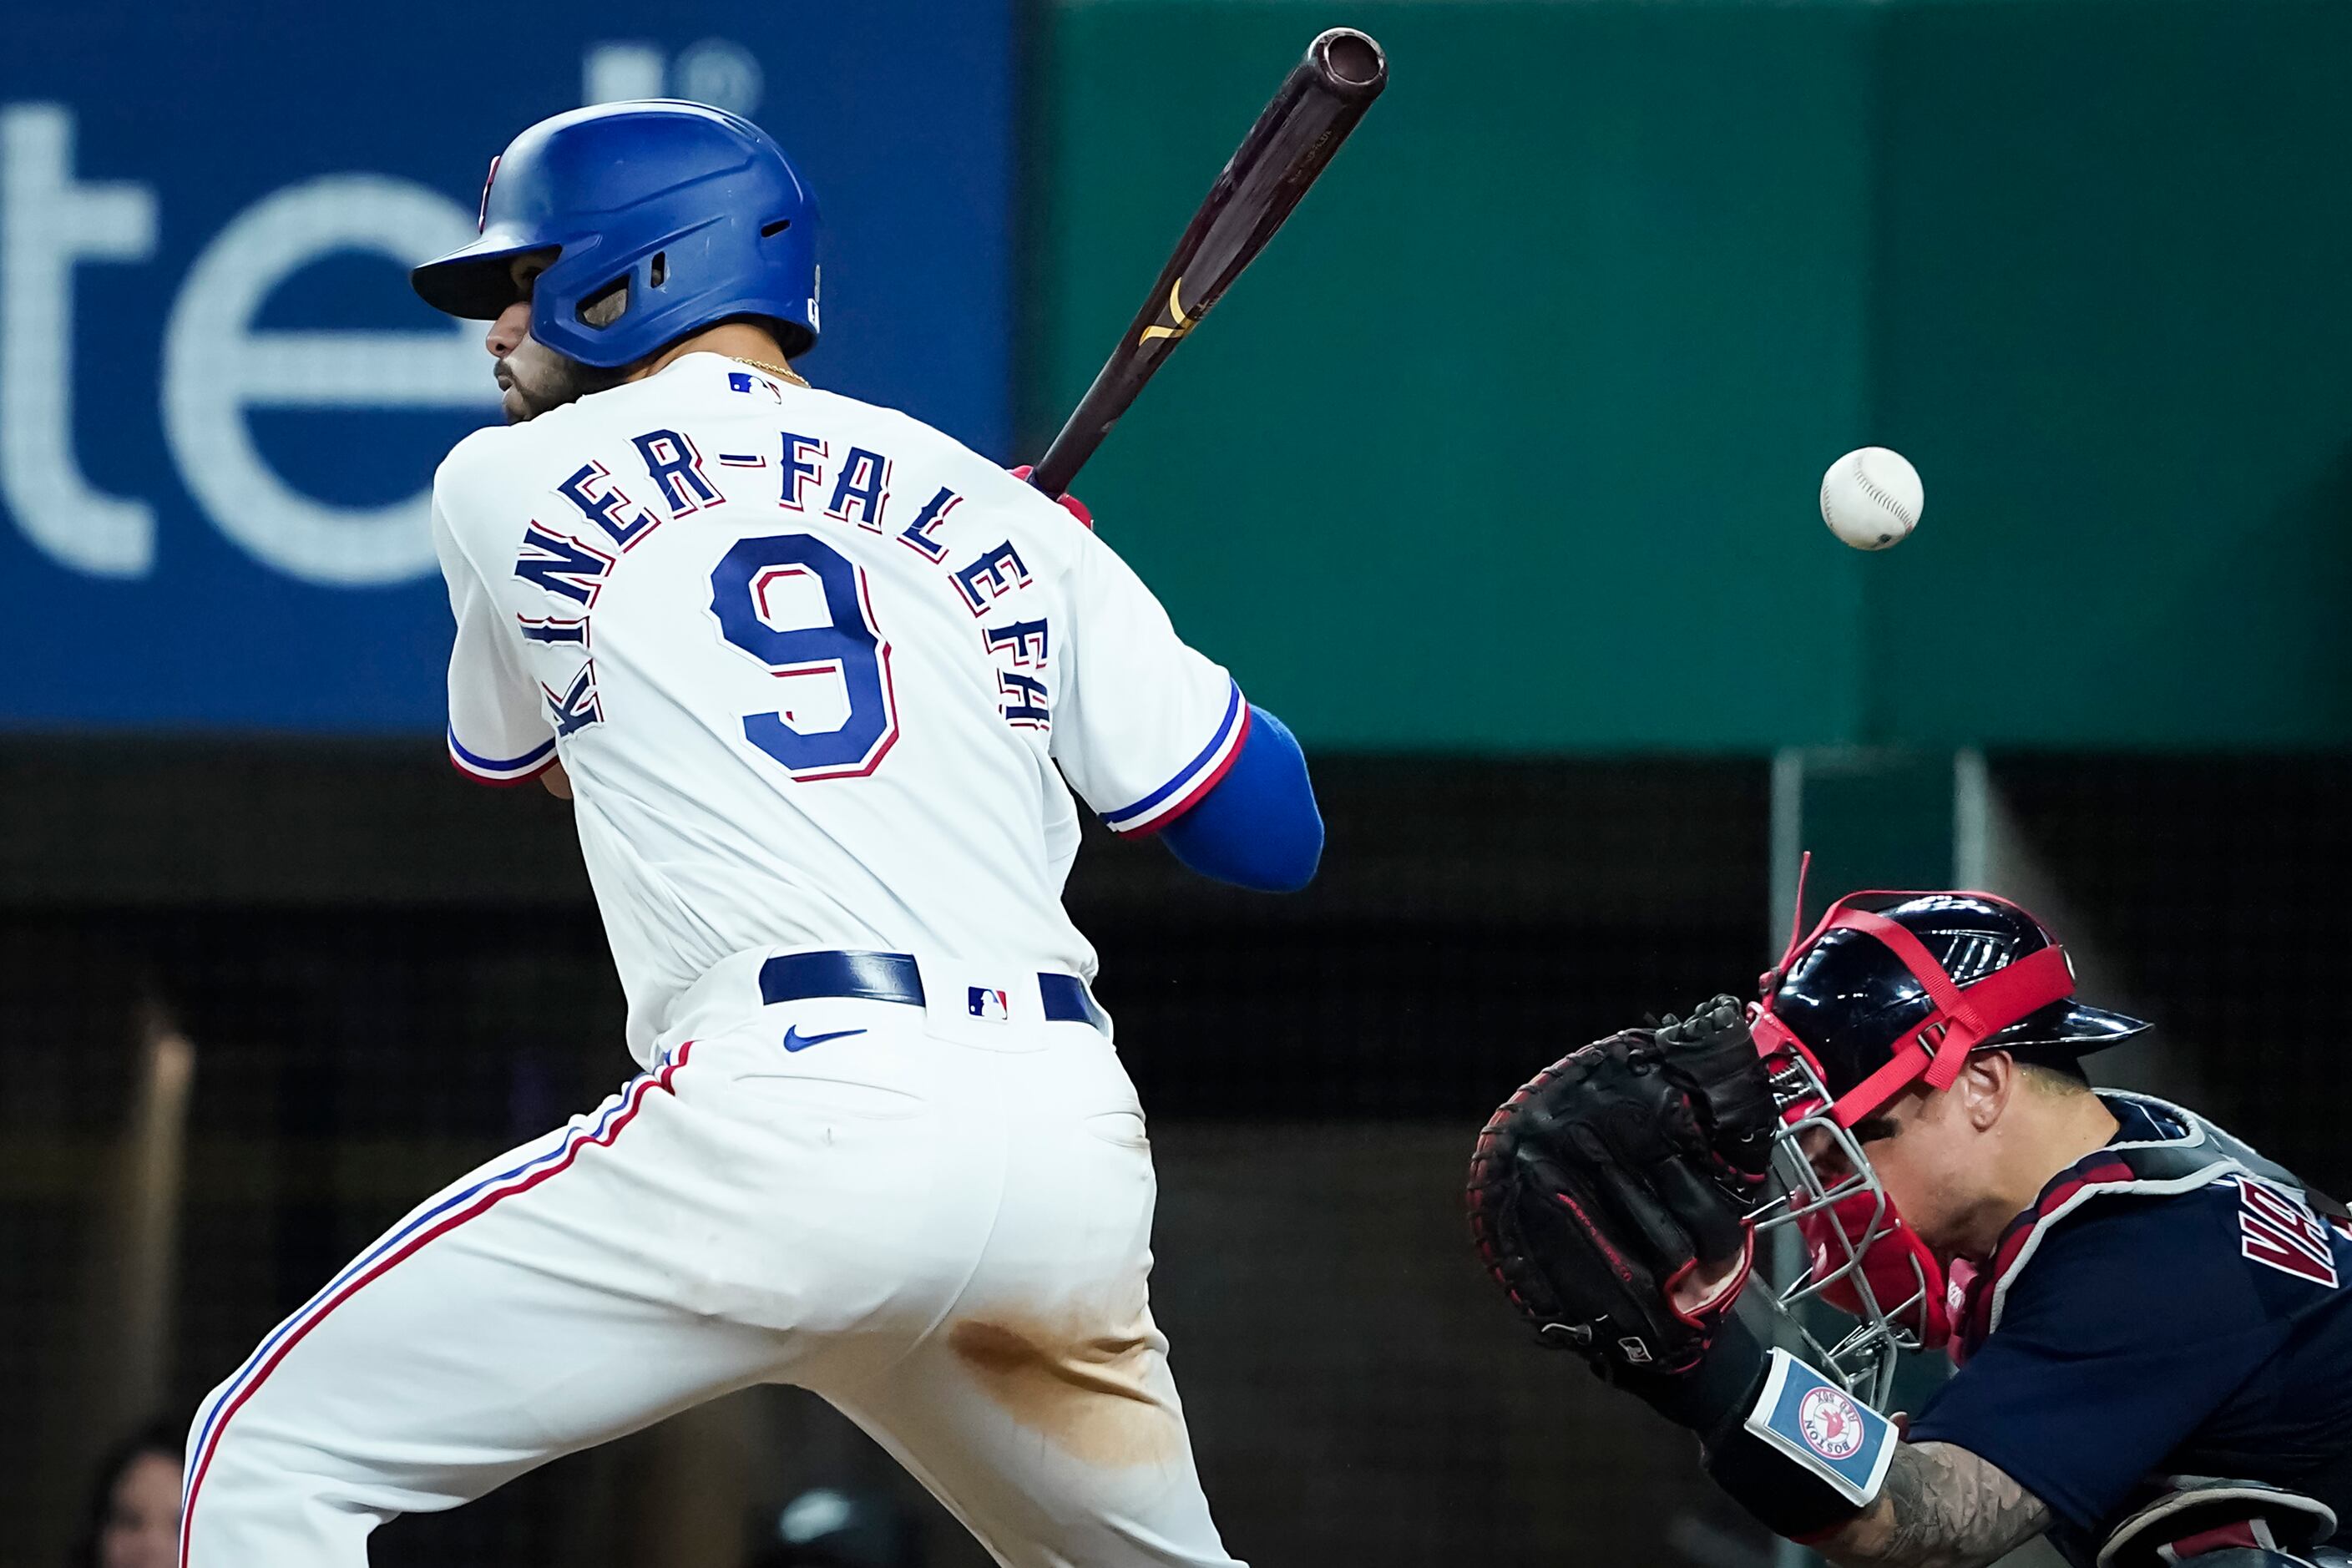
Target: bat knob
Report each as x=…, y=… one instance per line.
x=1349, y=61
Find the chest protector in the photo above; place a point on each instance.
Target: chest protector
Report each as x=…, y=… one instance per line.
x=2191, y=1155
x=2236, y=1523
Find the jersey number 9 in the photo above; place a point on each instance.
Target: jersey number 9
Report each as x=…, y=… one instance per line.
x=749, y=590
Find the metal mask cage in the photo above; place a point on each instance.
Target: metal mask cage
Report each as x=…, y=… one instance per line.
x=1798, y=1264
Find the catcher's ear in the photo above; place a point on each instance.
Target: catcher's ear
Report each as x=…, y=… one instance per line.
x=1985, y=1086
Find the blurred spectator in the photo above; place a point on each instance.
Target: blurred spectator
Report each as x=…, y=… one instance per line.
x=132, y=1519
x=824, y=1528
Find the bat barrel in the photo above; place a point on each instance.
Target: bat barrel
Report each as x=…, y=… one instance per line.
x=1326, y=93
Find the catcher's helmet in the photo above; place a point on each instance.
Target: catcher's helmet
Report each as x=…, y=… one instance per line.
x=1896, y=986
x=694, y=210
x=1892, y=989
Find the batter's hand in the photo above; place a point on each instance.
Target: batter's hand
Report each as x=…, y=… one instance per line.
x=1070, y=503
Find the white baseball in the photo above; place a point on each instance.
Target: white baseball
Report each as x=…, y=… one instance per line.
x=1871, y=498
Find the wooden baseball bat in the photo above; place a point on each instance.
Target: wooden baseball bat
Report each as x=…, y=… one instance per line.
x=1294, y=138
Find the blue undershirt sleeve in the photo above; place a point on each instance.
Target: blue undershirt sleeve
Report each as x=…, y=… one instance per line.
x=1256, y=827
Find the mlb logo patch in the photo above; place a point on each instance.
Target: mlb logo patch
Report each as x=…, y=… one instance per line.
x=994, y=1006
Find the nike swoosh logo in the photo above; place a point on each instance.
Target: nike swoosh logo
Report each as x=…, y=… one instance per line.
x=796, y=1041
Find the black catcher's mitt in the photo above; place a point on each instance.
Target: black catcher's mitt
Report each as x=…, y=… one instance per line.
x=1620, y=1169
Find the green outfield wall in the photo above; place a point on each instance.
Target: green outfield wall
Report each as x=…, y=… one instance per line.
x=1511, y=440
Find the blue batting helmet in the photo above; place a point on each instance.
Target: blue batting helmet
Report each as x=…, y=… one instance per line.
x=695, y=211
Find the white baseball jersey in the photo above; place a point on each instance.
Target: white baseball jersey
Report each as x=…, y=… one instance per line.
x=810, y=666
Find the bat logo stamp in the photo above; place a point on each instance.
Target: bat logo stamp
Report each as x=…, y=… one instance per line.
x=1176, y=313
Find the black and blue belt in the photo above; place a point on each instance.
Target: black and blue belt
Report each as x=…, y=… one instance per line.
x=895, y=977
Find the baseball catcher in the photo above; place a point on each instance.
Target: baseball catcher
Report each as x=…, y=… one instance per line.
x=2150, y=1321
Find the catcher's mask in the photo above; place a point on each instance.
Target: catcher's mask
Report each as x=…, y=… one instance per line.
x=1889, y=990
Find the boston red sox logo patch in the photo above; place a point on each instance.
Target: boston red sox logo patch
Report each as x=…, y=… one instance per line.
x=1821, y=1428
x=1831, y=1424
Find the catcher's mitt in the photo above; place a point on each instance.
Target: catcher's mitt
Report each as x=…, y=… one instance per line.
x=1623, y=1168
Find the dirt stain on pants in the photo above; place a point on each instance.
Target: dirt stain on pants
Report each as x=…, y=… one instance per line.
x=1090, y=1392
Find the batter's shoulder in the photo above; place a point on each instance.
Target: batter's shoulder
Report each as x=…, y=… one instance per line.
x=481, y=490
x=500, y=454
x=479, y=454
x=485, y=473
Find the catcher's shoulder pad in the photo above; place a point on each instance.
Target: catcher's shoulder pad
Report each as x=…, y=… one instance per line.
x=2186, y=1516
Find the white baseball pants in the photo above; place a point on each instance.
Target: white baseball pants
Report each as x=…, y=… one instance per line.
x=942, y=1227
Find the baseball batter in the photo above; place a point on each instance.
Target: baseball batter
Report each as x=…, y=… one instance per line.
x=813, y=677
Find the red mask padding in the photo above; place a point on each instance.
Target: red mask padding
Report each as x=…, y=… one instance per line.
x=1895, y=1264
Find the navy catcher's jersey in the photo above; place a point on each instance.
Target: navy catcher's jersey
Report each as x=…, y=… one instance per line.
x=2207, y=1332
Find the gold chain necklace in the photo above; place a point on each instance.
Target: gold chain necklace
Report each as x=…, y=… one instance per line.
x=784, y=370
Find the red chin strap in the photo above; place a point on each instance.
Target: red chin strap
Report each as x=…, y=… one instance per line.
x=1964, y=1017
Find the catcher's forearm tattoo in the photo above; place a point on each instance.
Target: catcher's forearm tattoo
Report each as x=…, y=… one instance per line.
x=1942, y=1507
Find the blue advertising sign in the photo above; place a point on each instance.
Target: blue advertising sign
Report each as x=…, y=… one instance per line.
x=220, y=403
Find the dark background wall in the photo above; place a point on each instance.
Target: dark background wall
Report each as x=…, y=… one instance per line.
x=1315, y=1066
